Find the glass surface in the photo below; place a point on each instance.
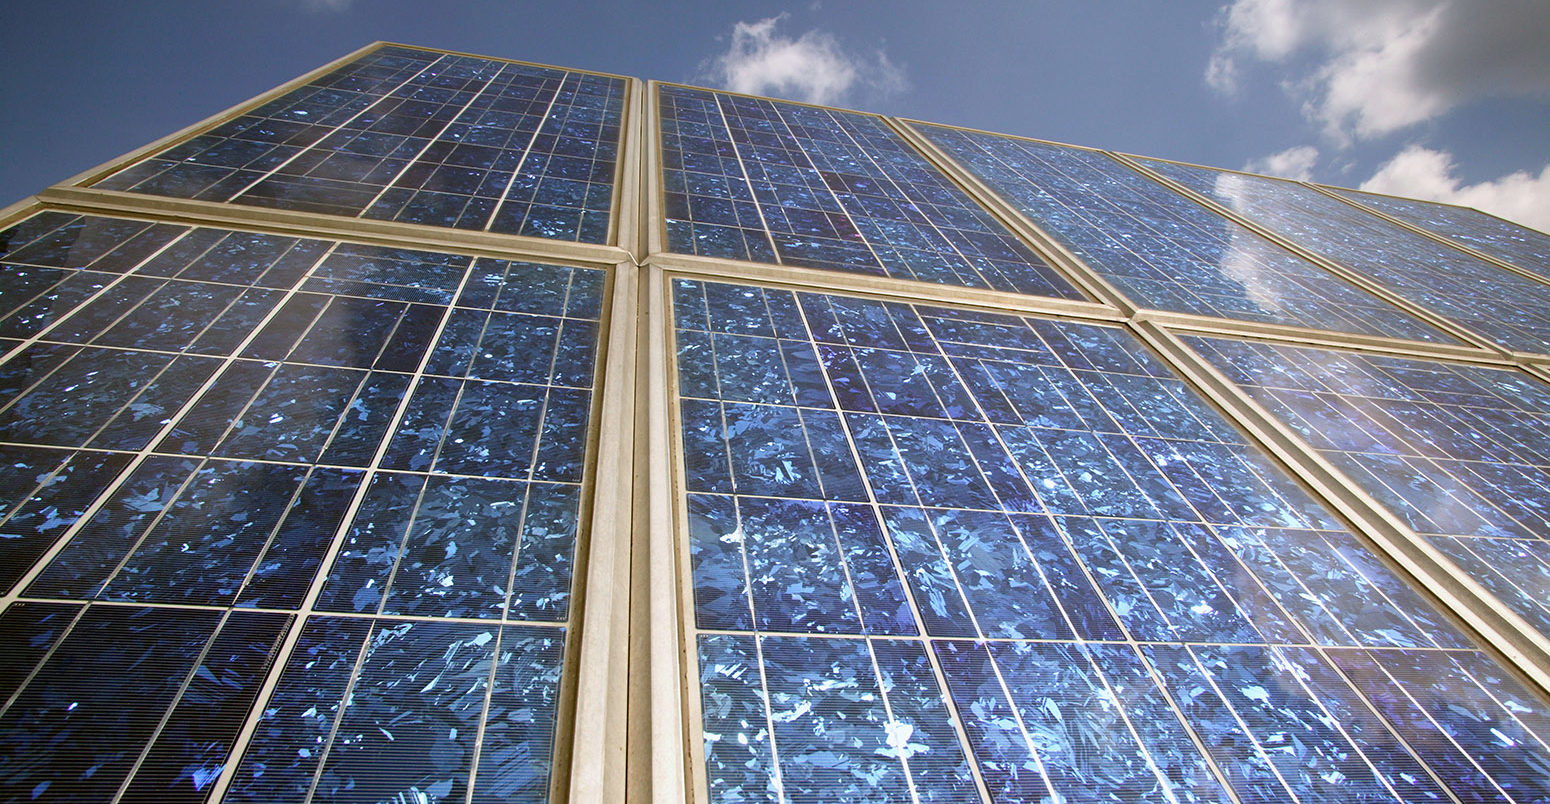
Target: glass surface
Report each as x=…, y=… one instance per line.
x=940, y=555
x=1524, y=247
x=211, y=438
x=1460, y=453
x=1161, y=249
x=1498, y=304
x=754, y=179
x=420, y=137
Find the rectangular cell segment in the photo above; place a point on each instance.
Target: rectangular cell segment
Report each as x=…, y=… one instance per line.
x=1021, y=560
x=415, y=136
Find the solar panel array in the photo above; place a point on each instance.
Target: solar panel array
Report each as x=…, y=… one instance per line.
x=292, y=518
x=215, y=441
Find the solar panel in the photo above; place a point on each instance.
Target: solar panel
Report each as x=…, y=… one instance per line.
x=214, y=438
x=754, y=179
x=1161, y=249
x=934, y=551
x=415, y=136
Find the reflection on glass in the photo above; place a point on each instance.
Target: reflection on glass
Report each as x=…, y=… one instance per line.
x=1161, y=249
x=1519, y=245
x=1498, y=304
x=1459, y=452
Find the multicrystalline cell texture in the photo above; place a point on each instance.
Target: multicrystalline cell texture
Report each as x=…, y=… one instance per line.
x=996, y=470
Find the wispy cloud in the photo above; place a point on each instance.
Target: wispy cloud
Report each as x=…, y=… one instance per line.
x=1293, y=163
x=812, y=67
x=1420, y=172
x=1378, y=66
x=327, y=6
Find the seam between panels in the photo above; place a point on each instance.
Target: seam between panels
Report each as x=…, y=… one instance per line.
x=598, y=733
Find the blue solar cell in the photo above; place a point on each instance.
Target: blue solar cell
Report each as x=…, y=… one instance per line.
x=98, y=700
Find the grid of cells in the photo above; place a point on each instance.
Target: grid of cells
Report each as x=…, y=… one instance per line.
x=1162, y=249
x=234, y=462
x=1489, y=234
x=943, y=555
x=754, y=179
x=1503, y=306
x=1461, y=453
x=416, y=136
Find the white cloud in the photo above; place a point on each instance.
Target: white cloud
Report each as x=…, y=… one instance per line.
x=1293, y=163
x=812, y=68
x=1420, y=172
x=327, y=6
x=1382, y=65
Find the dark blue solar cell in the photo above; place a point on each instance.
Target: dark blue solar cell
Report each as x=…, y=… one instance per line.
x=300, y=413
x=194, y=745
x=70, y=397
x=97, y=701
x=412, y=713
x=299, y=719
x=515, y=754
x=736, y=729
x=46, y=492
x=103, y=244
x=359, y=333
x=29, y=632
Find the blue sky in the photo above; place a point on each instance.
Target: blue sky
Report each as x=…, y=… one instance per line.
x=1446, y=99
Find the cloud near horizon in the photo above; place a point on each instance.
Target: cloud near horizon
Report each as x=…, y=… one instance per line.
x=1293, y=163
x=813, y=67
x=1420, y=172
x=1379, y=66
